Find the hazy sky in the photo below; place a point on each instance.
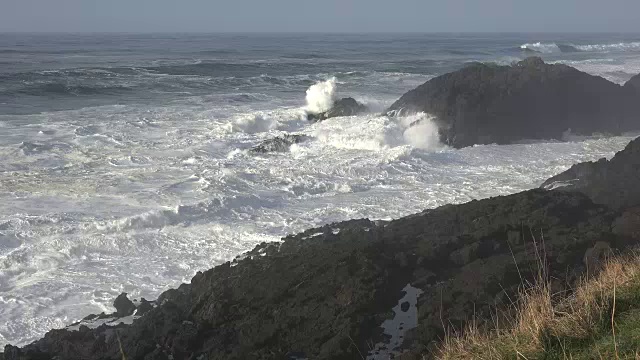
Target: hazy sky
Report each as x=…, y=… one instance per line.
x=320, y=15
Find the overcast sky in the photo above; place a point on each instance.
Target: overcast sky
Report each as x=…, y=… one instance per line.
x=320, y=16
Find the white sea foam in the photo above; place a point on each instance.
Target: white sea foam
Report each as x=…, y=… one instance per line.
x=546, y=48
x=617, y=70
x=254, y=123
x=422, y=132
x=379, y=133
x=320, y=96
x=610, y=47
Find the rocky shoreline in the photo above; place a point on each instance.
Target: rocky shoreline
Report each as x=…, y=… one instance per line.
x=379, y=289
x=325, y=293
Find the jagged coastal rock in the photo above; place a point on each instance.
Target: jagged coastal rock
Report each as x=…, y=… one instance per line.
x=343, y=107
x=484, y=103
x=124, y=306
x=634, y=83
x=615, y=183
x=327, y=293
x=279, y=143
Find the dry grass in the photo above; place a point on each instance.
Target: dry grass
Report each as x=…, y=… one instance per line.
x=582, y=326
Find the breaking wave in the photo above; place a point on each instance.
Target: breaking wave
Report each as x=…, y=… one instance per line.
x=548, y=48
x=422, y=132
x=320, y=97
x=254, y=123
x=632, y=46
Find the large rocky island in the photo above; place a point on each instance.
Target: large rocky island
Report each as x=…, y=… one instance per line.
x=487, y=103
x=375, y=289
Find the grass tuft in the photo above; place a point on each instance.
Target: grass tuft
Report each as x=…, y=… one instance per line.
x=600, y=319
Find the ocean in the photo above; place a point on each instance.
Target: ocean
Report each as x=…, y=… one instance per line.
x=124, y=163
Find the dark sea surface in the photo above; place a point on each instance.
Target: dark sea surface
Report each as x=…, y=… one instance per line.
x=42, y=72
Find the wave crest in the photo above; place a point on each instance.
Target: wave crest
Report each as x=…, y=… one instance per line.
x=548, y=48
x=632, y=46
x=321, y=96
x=422, y=132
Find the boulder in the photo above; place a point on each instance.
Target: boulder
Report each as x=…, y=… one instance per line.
x=484, y=103
x=343, y=107
x=278, y=144
x=124, y=306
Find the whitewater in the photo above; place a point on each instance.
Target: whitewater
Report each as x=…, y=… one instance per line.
x=130, y=171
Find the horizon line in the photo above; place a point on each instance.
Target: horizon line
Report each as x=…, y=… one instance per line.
x=311, y=32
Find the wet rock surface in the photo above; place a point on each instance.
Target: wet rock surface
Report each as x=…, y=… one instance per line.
x=484, y=103
x=279, y=144
x=124, y=306
x=324, y=294
x=343, y=107
x=144, y=307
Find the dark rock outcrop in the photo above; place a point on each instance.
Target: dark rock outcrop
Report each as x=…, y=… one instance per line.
x=278, y=144
x=482, y=104
x=124, y=306
x=144, y=307
x=343, y=107
x=634, y=83
x=615, y=183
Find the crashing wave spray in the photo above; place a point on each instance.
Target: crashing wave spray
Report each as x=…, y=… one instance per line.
x=421, y=132
x=321, y=96
x=548, y=48
x=541, y=47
